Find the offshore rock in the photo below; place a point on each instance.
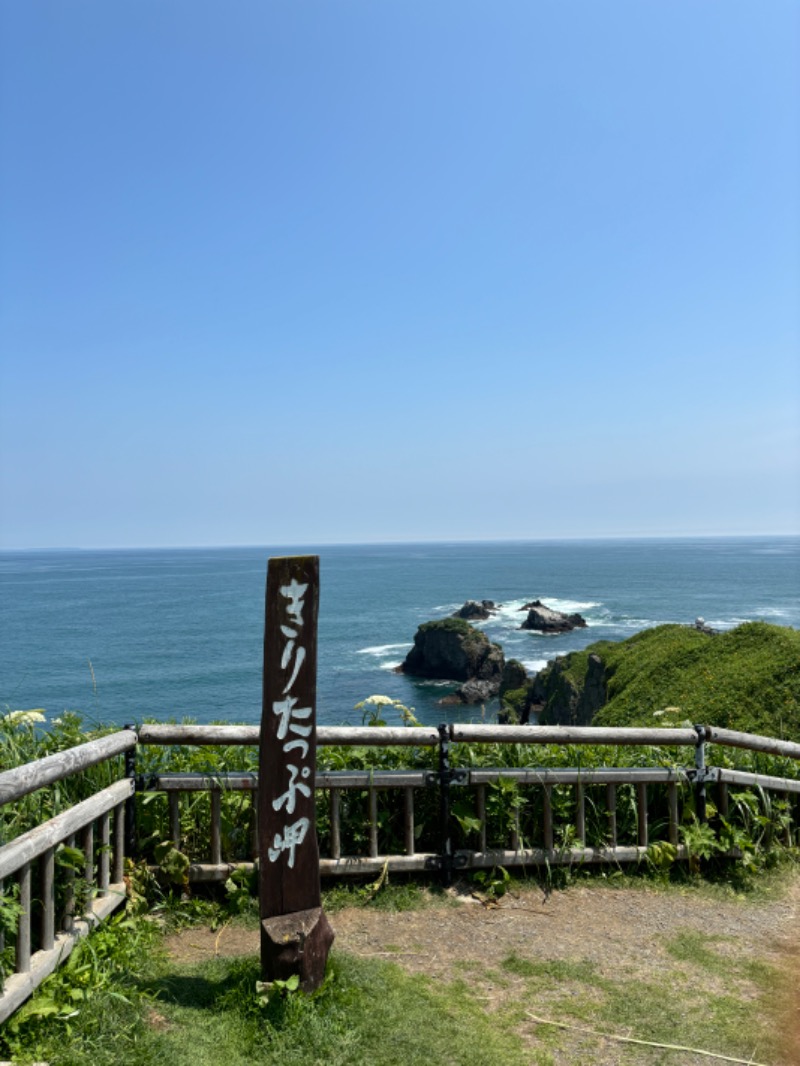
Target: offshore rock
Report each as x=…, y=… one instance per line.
x=473, y=691
x=453, y=650
x=545, y=620
x=480, y=610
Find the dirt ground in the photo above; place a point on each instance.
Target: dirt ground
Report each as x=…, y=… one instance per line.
x=616, y=929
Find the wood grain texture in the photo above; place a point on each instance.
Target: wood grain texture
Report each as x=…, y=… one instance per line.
x=564, y=734
x=289, y=860
x=35, y=842
x=22, y=780
x=295, y=933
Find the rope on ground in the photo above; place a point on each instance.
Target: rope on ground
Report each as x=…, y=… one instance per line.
x=645, y=1043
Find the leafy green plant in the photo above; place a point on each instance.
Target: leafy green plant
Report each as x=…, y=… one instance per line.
x=701, y=842
x=240, y=890
x=493, y=883
x=268, y=991
x=172, y=863
x=98, y=979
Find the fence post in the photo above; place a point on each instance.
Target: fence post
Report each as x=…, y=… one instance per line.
x=131, y=845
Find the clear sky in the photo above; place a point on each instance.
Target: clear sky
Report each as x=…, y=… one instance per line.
x=308, y=271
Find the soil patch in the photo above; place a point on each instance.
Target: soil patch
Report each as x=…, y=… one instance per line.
x=623, y=931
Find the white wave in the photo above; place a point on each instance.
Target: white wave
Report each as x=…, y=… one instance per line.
x=390, y=665
x=568, y=606
x=381, y=649
x=510, y=611
x=728, y=623
x=533, y=666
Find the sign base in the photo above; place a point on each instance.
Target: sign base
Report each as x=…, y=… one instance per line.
x=296, y=943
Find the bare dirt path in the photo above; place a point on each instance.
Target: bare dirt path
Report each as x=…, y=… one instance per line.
x=617, y=930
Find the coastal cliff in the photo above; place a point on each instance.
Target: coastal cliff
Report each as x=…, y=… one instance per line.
x=746, y=678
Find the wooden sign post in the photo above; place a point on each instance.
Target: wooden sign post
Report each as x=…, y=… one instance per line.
x=295, y=934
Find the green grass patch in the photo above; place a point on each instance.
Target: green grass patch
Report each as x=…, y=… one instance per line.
x=368, y=1013
x=121, y=999
x=747, y=678
x=389, y=896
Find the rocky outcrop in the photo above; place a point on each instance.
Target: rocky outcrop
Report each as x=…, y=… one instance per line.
x=558, y=697
x=545, y=620
x=453, y=650
x=515, y=676
x=472, y=692
x=514, y=693
x=476, y=609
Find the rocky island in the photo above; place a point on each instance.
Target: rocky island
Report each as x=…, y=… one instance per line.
x=478, y=609
x=452, y=650
x=546, y=620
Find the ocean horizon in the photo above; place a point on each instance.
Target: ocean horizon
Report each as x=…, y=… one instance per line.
x=170, y=633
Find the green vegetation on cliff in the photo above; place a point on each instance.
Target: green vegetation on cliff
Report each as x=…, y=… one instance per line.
x=747, y=678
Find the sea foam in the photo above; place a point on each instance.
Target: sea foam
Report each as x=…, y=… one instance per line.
x=381, y=649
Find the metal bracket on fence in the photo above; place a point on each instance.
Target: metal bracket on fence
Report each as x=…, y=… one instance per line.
x=131, y=846
x=700, y=773
x=446, y=862
x=434, y=778
x=443, y=863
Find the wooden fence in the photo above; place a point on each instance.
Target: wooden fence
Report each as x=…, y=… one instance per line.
x=96, y=824
x=104, y=825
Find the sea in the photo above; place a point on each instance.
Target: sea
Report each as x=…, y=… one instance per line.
x=174, y=634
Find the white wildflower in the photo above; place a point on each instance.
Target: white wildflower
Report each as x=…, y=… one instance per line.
x=377, y=701
x=24, y=717
x=659, y=714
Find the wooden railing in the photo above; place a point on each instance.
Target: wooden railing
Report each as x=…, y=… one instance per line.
x=102, y=889
x=565, y=843
x=103, y=825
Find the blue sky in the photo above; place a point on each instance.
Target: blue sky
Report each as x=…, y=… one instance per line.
x=308, y=272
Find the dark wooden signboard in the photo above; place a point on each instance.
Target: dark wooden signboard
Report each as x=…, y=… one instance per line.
x=295, y=934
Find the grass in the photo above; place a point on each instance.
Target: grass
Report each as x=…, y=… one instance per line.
x=367, y=1012
x=747, y=678
x=120, y=998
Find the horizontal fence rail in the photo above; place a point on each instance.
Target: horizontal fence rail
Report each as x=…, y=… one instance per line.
x=566, y=734
x=422, y=736
x=752, y=742
x=604, y=788
x=434, y=817
x=95, y=825
x=369, y=736
x=22, y=780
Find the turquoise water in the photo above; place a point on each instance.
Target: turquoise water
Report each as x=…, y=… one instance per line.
x=122, y=635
